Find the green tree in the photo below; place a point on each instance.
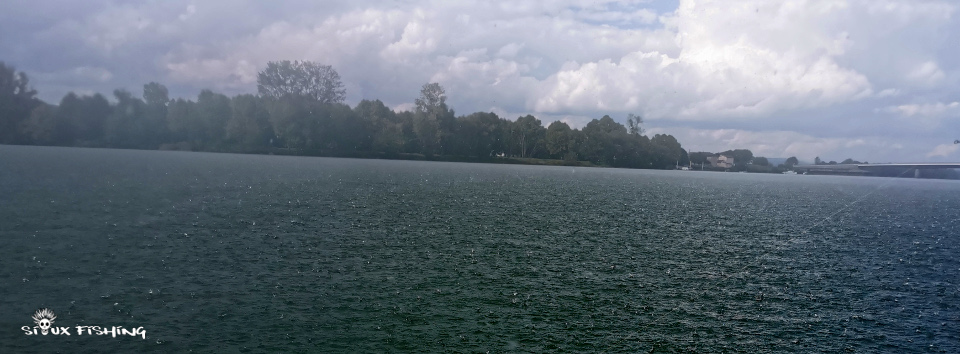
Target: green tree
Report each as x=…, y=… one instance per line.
x=606, y=142
x=155, y=98
x=667, y=153
x=529, y=133
x=42, y=127
x=382, y=128
x=634, y=124
x=212, y=113
x=290, y=119
x=340, y=128
x=434, y=120
x=249, y=125
x=17, y=101
x=88, y=114
x=559, y=139
x=741, y=157
x=700, y=157
x=301, y=78
x=124, y=127
x=181, y=123
x=156, y=94
x=792, y=161
x=479, y=135
x=761, y=161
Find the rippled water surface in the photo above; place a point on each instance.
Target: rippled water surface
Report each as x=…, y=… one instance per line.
x=241, y=253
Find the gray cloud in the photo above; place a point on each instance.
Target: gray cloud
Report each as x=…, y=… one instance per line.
x=870, y=80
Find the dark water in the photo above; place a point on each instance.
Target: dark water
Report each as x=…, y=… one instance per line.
x=235, y=253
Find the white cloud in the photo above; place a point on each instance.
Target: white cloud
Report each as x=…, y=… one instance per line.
x=943, y=150
x=925, y=110
x=927, y=74
x=709, y=61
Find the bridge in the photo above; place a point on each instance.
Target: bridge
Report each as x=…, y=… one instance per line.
x=874, y=169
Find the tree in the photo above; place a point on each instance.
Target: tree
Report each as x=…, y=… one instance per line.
x=432, y=97
x=156, y=98
x=434, y=121
x=180, y=122
x=211, y=114
x=290, y=119
x=249, y=124
x=741, y=157
x=124, y=127
x=478, y=135
x=17, y=102
x=791, y=161
x=700, y=157
x=155, y=94
x=559, y=139
x=301, y=78
x=43, y=126
x=529, y=134
x=605, y=141
x=634, y=123
x=761, y=161
x=382, y=128
x=667, y=151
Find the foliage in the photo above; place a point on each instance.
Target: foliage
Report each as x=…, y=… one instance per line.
x=17, y=102
x=301, y=78
x=792, y=161
x=299, y=112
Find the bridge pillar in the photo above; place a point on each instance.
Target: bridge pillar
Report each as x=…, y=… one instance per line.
x=916, y=173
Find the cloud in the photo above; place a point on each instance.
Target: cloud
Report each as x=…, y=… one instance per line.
x=943, y=150
x=926, y=110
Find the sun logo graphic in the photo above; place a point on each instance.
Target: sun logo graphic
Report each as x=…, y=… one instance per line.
x=44, y=319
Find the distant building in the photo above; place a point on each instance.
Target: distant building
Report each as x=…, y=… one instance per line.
x=721, y=161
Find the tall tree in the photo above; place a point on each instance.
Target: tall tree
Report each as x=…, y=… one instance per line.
x=155, y=94
x=88, y=114
x=17, y=101
x=529, y=132
x=792, y=161
x=558, y=139
x=42, y=127
x=741, y=157
x=181, y=123
x=634, y=124
x=383, y=129
x=301, y=78
x=156, y=98
x=124, y=127
x=212, y=114
x=433, y=119
x=249, y=125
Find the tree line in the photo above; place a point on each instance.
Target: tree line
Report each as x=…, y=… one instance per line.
x=743, y=161
x=299, y=109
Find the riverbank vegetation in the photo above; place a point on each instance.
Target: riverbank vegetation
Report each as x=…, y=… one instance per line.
x=299, y=110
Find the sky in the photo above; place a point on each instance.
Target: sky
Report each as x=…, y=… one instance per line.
x=872, y=80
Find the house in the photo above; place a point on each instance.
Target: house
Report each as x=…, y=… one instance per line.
x=721, y=161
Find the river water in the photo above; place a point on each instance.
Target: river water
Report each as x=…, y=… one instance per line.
x=244, y=253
